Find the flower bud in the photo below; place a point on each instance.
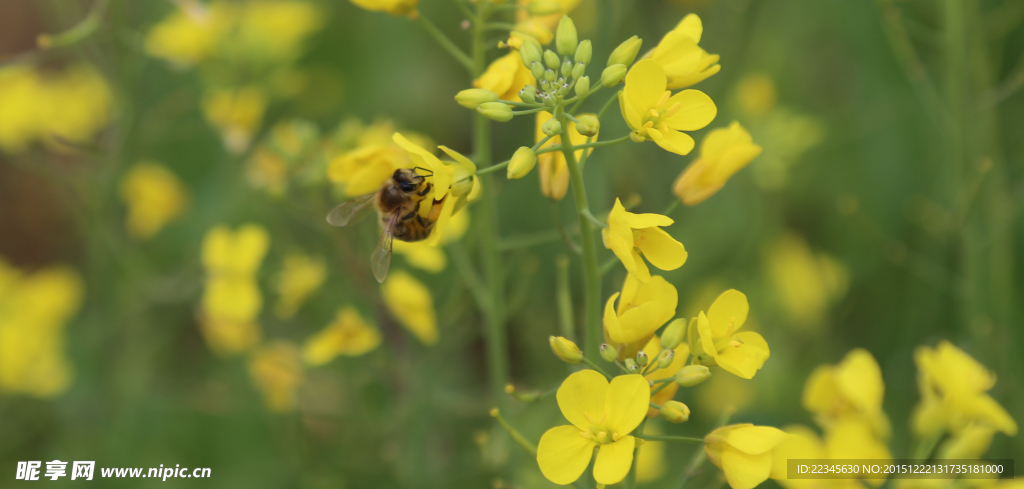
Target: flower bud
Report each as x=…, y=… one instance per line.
x=566, y=68
x=565, y=37
x=530, y=51
x=462, y=181
x=588, y=125
x=544, y=7
x=631, y=366
x=608, y=353
x=473, y=97
x=566, y=350
x=692, y=375
x=528, y=96
x=523, y=160
x=584, y=51
x=612, y=75
x=675, y=412
x=550, y=75
x=583, y=86
x=641, y=358
x=665, y=358
x=537, y=69
x=551, y=128
x=551, y=59
x=496, y=110
x=578, y=70
x=626, y=52
x=674, y=334
x=545, y=85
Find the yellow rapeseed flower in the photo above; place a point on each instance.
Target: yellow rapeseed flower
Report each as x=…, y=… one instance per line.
x=393, y=7
x=554, y=172
x=411, y=303
x=276, y=368
x=506, y=76
x=654, y=114
x=301, y=276
x=237, y=113
x=50, y=106
x=634, y=236
x=231, y=298
x=274, y=30
x=853, y=387
x=805, y=282
x=372, y=158
x=538, y=25
x=756, y=94
x=643, y=308
x=723, y=152
x=714, y=341
x=685, y=63
x=347, y=335
x=429, y=258
x=190, y=34
x=653, y=349
x=154, y=197
x=34, y=310
x=602, y=415
x=953, y=393
x=650, y=463
x=743, y=452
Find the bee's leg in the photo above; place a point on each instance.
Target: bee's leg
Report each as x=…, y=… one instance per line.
x=425, y=189
x=409, y=215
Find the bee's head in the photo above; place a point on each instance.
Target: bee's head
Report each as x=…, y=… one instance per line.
x=407, y=180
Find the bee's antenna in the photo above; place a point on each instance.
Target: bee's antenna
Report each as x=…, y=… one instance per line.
x=429, y=173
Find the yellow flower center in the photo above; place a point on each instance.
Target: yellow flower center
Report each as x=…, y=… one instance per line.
x=655, y=116
x=597, y=433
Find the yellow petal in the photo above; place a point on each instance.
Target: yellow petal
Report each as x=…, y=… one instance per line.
x=632, y=114
x=707, y=339
x=661, y=249
x=411, y=304
x=745, y=471
x=626, y=403
x=859, y=378
x=442, y=221
x=441, y=175
x=802, y=442
x=582, y=392
x=650, y=220
x=730, y=308
x=756, y=439
x=645, y=84
x=697, y=111
x=672, y=141
x=458, y=157
x=614, y=460
x=563, y=454
x=743, y=359
x=986, y=410
x=622, y=250
x=852, y=437
x=690, y=26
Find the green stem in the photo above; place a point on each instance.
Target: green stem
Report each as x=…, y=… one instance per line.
x=659, y=389
x=447, y=44
x=563, y=295
x=671, y=207
x=592, y=332
x=530, y=111
x=597, y=222
x=607, y=105
x=79, y=32
x=597, y=144
x=700, y=455
x=551, y=149
x=516, y=436
x=595, y=367
x=494, y=315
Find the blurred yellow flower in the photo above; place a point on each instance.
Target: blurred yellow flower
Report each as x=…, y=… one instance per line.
x=853, y=387
x=805, y=282
x=429, y=258
x=714, y=341
x=154, y=197
x=276, y=369
x=685, y=63
x=654, y=114
x=643, y=308
x=282, y=154
x=274, y=30
x=723, y=152
x=650, y=463
x=539, y=23
x=373, y=158
x=743, y=452
x=506, y=76
x=51, y=106
x=631, y=235
x=34, y=310
x=554, y=172
x=393, y=7
x=756, y=94
x=231, y=298
x=653, y=349
x=412, y=305
x=953, y=393
x=301, y=276
x=190, y=34
x=602, y=416
x=348, y=335
x=237, y=113
x=804, y=443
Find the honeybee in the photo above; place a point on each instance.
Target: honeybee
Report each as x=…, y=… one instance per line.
x=398, y=203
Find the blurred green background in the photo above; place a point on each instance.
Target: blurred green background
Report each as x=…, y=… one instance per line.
x=884, y=213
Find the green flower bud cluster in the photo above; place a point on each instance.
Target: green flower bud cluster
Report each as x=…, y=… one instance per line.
x=619, y=61
x=557, y=71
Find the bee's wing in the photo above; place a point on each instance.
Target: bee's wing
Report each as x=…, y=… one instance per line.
x=351, y=211
x=380, y=261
